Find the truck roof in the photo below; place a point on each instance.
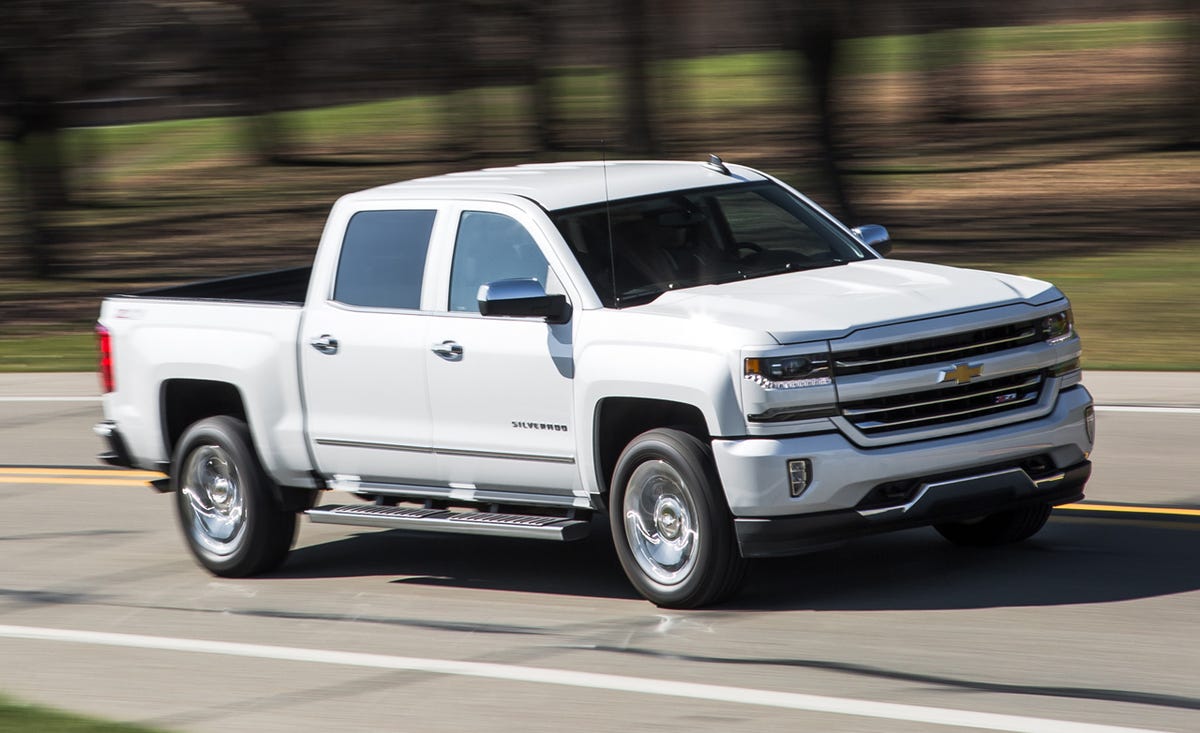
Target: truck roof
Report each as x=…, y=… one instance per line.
x=557, y=186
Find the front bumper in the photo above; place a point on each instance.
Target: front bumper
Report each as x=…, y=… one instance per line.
x=856, y=490
x=935, y=501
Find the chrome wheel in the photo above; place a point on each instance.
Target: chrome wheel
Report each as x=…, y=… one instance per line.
x=214, y=503
x=660, y=522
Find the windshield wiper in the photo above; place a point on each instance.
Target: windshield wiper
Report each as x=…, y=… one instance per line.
x=640, y=296
x=791, y=267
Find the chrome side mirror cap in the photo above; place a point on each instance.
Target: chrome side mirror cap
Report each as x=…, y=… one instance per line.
x=875, y=237
x=522, y=298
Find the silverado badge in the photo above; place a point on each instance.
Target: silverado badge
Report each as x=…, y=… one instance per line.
x=960, y=373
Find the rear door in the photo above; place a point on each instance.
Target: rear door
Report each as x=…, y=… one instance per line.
x=363, y=353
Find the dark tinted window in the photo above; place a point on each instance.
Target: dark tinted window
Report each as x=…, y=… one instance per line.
x=491, y=247
x=383, y=259
x=634, y=250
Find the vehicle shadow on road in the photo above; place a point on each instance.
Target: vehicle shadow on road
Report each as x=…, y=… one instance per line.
x=1075, y=559
x=585, y=568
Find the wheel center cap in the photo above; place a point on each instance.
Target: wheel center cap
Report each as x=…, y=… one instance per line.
x=668, y=519
x=219, y=491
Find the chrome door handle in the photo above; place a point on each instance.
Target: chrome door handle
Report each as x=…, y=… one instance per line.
x=325, y=344
x=448, y=350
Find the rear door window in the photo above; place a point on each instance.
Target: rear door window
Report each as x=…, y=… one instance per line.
x=383, y=259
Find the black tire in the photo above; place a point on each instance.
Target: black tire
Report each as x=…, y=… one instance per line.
x=1002, y=528
x=226, y=503
x=667, y=477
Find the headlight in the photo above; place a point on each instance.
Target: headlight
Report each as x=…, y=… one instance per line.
x=789, y=372
x=1058, y=327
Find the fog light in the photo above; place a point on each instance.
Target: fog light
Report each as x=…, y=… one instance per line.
x=799, y=475
x=1089, y=422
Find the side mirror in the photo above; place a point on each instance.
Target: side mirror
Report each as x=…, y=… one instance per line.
x=874, y=236
x=522, y=297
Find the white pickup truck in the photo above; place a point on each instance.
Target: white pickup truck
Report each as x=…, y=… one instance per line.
x=695, y=349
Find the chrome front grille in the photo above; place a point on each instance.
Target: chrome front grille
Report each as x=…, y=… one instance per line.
x=937, y=349
x=978, y=399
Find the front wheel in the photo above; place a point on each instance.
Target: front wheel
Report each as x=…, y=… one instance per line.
x=227, y=510
x=1002, y=528
x=671, y=527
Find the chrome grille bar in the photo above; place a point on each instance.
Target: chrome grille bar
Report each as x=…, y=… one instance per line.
x=893, y=424
x=934, y=349
x=945, y=405
x=925, y=355
x=1033, y=382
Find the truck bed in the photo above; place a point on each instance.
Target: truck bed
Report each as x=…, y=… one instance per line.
x=276, y=286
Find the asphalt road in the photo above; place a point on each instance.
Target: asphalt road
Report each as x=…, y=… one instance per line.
x=1095, y=622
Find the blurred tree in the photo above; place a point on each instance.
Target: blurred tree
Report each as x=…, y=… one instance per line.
x=636, y=32
x=42, y=67
x=262, y=73
x=450, y=47
x=813, y=31
x=947, y=48
x=541, y=19
x=1189, y=92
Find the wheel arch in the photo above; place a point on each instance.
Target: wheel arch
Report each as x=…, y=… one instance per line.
x=618, y=420
x=185, y=402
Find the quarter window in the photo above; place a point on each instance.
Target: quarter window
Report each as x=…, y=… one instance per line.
x=383, y=259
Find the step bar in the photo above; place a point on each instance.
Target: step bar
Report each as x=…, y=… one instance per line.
x=492, y=524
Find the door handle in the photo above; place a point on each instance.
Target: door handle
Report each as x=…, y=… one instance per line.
x=325, y=344
x=448, y=350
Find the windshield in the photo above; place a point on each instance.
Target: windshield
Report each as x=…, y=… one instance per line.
x=698, y=237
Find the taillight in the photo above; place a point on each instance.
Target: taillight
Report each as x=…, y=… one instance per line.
x=104, y=340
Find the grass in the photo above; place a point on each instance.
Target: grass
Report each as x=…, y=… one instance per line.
x=16, y=717
x=61, y=352
x=1133, y=310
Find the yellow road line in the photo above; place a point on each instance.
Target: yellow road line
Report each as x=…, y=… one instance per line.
x=9, y=471
x=1132, y=509
x=104, y=477
x=73, y=481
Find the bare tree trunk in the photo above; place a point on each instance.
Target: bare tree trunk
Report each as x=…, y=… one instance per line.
x=813, y=34
x=948, y=48
x=452, y=64
x=40, y=68
x=261, y=74
x=541, y=19
x=1188, y=114
x=42, y=188
x=544, y=28
x=636, y=30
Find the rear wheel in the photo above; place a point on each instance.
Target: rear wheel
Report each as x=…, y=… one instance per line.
x=671, y=527
x=230, y=517
x=1002, y=528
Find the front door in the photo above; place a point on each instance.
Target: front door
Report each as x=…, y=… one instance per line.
x=500, y=389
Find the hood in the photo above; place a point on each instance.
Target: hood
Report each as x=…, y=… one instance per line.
x=831, y=302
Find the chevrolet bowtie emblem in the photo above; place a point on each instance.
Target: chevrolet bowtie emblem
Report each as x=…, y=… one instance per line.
x=960, y=373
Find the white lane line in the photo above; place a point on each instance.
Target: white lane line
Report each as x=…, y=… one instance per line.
x=589, y=680
x=1149, y=410
x=51, y=399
